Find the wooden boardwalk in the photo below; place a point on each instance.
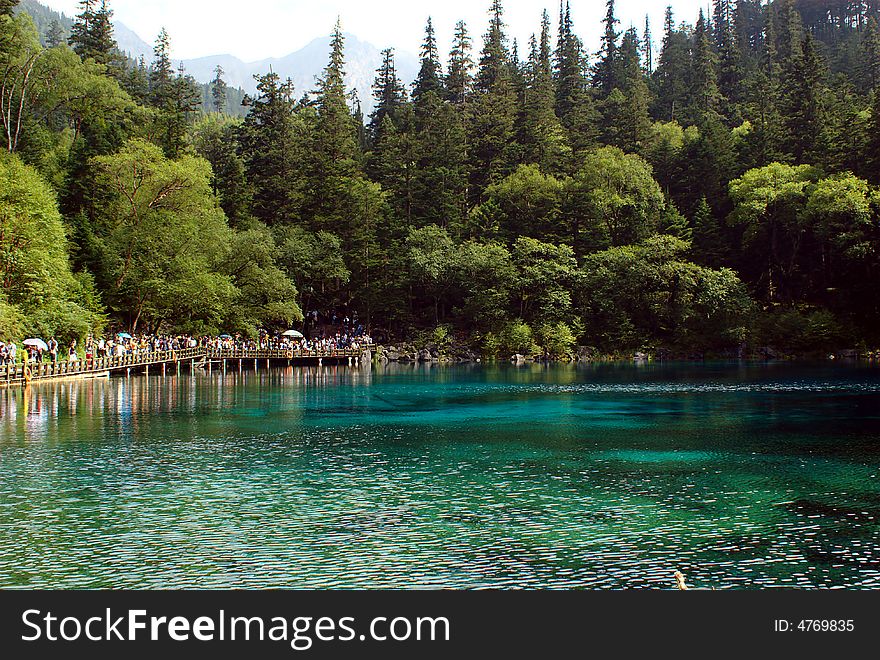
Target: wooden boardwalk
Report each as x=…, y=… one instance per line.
x=164, y=361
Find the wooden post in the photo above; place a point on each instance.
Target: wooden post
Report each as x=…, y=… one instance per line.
x=147, y=371
x=164, y=365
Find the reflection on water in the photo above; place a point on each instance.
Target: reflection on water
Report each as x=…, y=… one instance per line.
x=426, y=476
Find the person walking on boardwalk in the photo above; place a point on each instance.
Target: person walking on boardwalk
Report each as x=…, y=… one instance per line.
x=53, y=350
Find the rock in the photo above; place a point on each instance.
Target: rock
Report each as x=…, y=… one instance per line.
x=641, y=357
x=518, y=359
x=586, y=354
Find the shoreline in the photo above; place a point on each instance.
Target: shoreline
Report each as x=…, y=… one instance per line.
x=407, y=353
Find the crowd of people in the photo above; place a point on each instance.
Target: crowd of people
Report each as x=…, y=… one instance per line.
x=341, y=333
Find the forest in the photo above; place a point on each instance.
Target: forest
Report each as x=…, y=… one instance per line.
x=713, y=190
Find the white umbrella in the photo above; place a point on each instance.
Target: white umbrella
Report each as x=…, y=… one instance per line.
x=293, y=333
x=36, y=343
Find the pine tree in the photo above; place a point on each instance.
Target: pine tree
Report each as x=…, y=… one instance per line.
x=625, y=111
x=672, y=74
x=459, y=80
x=388, y=93
x=81, y=31
x=605, y=77
x=175, y=97
x=708, y=242
x=574, y=104
x=92, y=33
x=727, y=52
x=55, y=34
x=219, y=90
x=872, y=152
x=103, y=42
x=336, y=148
x=273, y=156
x=705, y=97
x=540, y=133
x=648, y=47
x=748, y=27
x=494, y=108
x=673, y=223
x=161, y=72
x=790, y=37
x=429, y=78
x=185, y=101
x=763, y=91
x=805, y=120
x=870, y=51
x=6, y=7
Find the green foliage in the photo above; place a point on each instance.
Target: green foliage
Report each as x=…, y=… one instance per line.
x=634, y=295
x=38, y=293
x=510, y=196
x=516, y=338
x=614, y=200
x=266, y=296
x=801, y=330
x=556, y=340
x=163, y=240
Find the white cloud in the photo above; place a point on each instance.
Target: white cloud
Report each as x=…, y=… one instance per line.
x=273, y=28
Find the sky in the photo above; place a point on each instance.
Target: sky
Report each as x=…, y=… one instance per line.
x=259, y=29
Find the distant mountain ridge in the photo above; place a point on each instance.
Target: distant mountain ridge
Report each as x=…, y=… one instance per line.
x=303, y=66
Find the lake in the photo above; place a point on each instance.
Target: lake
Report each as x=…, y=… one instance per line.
x=424, y=477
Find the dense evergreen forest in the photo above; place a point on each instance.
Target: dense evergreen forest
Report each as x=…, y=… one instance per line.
x=706, y=191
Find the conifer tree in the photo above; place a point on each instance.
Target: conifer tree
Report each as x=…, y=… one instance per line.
x=92, y=33
x=81, y=31
x=103, y=42
x=727, y=52
x=805, y=120
x=872, y=152
x=55, y=34
x=219, y=90
x=625, y=111
x=6, y=7
x=673, y=223
x=388, y=93
x=574, y=104
x=672, y=74
x=648, y=47
x=161, y=71
x=459, y=79
x=605, y=77
x=705, y=97
x=494, y=109
x=748, y=27
x=429, y=79
x=336, y=144
x=708, y=242
x=870, y=50
x=540, y=133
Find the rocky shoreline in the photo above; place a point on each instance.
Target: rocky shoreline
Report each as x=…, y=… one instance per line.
x=408, y=353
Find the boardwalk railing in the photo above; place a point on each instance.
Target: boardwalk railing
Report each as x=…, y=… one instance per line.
x=99, y=366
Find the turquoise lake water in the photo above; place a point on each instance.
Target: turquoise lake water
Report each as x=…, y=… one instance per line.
x=602, y=477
